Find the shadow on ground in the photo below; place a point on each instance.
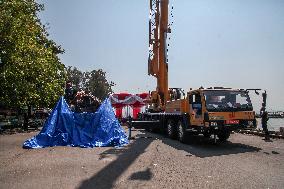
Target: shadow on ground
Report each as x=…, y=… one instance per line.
x=142, y=175
x=126, y=156
x=203, y=147
x=196, y=146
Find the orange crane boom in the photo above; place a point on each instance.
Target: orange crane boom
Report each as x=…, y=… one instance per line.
x=157, y=65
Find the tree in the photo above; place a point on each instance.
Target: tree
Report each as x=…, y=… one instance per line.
x=98, y=84
x=75, y=76
x=95, y=81
x=31, y=73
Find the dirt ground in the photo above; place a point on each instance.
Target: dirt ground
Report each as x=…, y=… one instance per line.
x=149, y=161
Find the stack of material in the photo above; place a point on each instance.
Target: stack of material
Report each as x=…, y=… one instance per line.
x=67, y=128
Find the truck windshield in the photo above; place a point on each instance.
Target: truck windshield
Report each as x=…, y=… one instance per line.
x=225, y=100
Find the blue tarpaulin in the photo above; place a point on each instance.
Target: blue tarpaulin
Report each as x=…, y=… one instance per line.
x=66, y=128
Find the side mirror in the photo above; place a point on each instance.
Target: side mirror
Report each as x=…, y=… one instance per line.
x=206, y=116
x=190, y=99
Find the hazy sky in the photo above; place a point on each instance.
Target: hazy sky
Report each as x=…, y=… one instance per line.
x=232, y=43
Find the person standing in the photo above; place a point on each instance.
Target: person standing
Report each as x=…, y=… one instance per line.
x=264, y=119
x=264, y=115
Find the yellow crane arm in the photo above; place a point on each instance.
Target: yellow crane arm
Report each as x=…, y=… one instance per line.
x=157, y=63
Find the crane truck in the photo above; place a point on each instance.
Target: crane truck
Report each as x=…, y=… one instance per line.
x=212, y=111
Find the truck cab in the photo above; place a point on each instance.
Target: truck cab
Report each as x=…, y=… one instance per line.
x=221, y=110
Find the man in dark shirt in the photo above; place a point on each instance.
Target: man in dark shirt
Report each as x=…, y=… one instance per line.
x=264, y=119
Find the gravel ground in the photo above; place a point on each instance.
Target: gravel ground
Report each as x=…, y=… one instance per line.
x=149, y=161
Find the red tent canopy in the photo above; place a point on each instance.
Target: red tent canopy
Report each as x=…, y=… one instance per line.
x=119, y=100
x=143, y=95
x=115, y=98
x=121, y=96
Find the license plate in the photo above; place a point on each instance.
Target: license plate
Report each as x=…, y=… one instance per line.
x=232, y=122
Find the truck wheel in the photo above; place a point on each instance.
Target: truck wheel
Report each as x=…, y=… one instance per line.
x=171, y=129
x=181, y=132
x=147, y=128
x=224, y=135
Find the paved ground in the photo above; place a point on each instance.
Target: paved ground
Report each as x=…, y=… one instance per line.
x=149, y=161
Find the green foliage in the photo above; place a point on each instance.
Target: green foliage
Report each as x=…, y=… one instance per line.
x=95, y=81
x=98, y=84
x=30, y=70
x=75, y=76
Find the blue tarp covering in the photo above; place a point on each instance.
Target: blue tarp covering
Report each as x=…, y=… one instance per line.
x=67, y=128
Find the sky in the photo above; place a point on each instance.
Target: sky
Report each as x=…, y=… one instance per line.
x=230, y=43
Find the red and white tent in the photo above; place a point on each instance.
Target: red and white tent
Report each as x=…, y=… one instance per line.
x=136, y=101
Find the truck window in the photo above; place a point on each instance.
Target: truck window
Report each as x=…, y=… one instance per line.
x=196, y=105
x=227, y=100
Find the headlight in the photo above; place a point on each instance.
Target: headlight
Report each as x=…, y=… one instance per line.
x=250, y=123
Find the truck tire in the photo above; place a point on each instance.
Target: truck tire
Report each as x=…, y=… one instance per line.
x=181, y=132
x=147, y=128
x=224, y=135
x=171, y=129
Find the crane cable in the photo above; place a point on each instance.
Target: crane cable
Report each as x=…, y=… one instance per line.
x=171, y=22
